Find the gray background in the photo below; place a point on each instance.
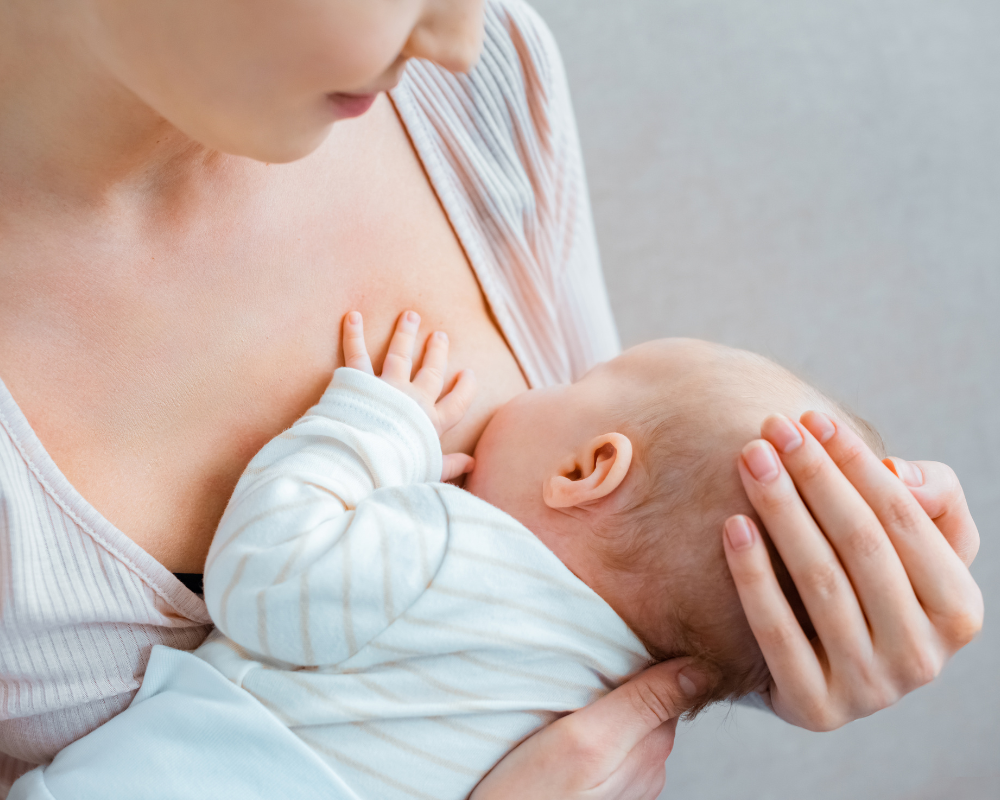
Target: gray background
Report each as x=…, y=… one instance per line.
x=820, y=182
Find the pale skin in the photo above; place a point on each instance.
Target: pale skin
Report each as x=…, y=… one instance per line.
x=168, y=308
x=558, y=473
x=885, y=579
x=170, y=303
x=552, y=459
x=565, y=480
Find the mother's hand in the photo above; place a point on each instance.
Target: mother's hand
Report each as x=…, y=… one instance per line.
x=882, y=569
x=613, y=749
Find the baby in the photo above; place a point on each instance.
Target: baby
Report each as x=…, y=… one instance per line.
x=411, y=632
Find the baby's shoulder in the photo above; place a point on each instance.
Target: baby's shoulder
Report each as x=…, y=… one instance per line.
x=465, y=508
x=476, y=526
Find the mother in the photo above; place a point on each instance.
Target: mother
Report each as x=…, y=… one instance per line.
x=170, y=301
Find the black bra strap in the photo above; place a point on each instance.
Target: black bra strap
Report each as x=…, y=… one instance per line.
x=193, y=580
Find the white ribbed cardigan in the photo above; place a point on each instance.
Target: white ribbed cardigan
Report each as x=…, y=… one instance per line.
x=81, y=605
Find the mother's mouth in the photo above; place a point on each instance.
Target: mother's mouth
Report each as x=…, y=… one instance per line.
x=345, y=105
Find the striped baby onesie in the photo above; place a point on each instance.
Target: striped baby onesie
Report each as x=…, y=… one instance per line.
x=410, y=633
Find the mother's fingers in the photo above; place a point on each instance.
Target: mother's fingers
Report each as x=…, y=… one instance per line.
x=812, y=563
x=875, y=570
x=940, y=580
x=790, y=657
x=936, y=487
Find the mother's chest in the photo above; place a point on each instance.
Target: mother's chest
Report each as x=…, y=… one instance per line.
x=152, y=368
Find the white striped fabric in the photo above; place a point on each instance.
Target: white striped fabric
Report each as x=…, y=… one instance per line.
x=81, y=605
x=501, y=148
x=408, y=632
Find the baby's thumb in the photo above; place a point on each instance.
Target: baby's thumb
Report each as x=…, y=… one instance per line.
x=455, y=464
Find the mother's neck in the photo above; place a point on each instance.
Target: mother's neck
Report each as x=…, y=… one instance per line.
x=69, y=129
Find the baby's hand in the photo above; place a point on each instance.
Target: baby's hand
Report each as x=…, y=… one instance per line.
x=428, y=383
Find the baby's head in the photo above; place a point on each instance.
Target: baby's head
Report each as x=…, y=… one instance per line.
x=628, y=475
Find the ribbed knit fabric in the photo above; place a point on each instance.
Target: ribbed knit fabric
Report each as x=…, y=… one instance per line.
x=408, y=632
x=81, y=605
x=501, y=149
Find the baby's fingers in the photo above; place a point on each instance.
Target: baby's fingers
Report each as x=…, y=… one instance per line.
x=430, y=377
x=398, y=362
x=355, y=352
x=453, y=405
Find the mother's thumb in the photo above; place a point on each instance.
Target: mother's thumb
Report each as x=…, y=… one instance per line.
x=666, y=690
x=632, y=711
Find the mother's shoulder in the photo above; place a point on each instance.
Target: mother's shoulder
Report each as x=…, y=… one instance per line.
x=500, y=146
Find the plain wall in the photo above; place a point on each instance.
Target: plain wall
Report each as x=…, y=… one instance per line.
x=819, y=182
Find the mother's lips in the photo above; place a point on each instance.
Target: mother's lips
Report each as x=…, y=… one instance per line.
x=350, y=105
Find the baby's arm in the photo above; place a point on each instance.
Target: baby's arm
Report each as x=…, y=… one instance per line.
x=316, y=552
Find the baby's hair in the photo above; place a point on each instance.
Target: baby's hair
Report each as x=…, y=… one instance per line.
x=684, y=485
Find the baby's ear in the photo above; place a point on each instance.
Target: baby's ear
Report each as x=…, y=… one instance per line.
x=595, y=471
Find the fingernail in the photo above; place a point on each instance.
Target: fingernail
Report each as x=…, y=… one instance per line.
x=354, y=318
x=782, y=433
x=442, y=336
x=739, y=533
x=691, y=682
x=761, y=461
x=891, y=466
x=819, y=425
x=412, y=316
x=908, y=473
